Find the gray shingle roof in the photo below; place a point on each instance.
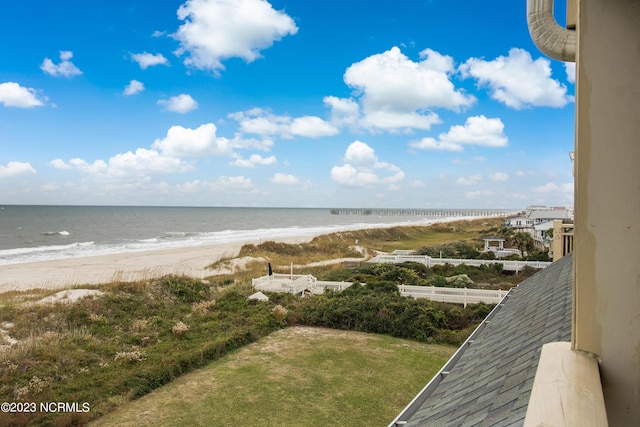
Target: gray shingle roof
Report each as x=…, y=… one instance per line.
x=490, y=383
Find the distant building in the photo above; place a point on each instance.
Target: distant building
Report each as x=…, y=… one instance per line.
x=537, y=221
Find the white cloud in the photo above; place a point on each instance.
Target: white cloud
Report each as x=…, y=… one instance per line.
x=280, y=178
x=182, y=103
x=65, y=68
x=262, y=122
x=366, y=169
x=552, y=187
x=360, y=153
x=232, y=184
x=469, y=180
x=16, y=168
x=145, y=161
x=546, y=188
x=97, y=167
x=254, y=160
x=224, y=184
x=350, y=176
x=432, y=144
x=478, y=193
x=312, y=127
x=525, y=173
x=200, y=142
x=59, y=164
x=394, y=121
x=568, y=187
x=477, y=130
x=344, y=111
x=146, y=60
x=129, y=164
x=570, y=69
x=189, y=187
x=215, y=30
x=50, y=187
x=517, y=80
x=134, y=87
x=499, y=177
x=391, y=80
x=14, y=95
x=397, y=93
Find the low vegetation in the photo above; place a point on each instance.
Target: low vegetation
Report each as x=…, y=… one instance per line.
x=379, y=308
x=410, y=238
x=121, y=345
x=112, y=348
x=297, y=376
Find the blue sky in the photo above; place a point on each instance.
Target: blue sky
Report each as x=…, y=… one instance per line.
x=417, y=104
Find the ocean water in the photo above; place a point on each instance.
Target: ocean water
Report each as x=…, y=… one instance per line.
x=39, y=233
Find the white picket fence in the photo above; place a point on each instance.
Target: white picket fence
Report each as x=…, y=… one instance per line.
x=430, y=261
x=453, y=295
x=298, y=283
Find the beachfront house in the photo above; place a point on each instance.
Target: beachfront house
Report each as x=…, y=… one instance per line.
x=537, y=221
x=581, y=338
x=519, y=223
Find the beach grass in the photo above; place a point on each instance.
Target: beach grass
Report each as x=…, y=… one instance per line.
x=295, y=377
x=414, y=237
x=120, y=345
x=359, y=244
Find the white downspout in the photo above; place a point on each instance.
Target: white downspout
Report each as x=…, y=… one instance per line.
x=552, y=39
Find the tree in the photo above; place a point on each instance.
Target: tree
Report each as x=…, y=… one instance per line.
x=505, y=232
x=523, y=241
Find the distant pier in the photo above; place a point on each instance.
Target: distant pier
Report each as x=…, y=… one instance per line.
x=426, y=212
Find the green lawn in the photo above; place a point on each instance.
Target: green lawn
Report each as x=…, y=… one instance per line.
x=297, y=376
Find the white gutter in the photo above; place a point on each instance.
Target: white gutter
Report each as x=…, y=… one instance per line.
x=552, y=39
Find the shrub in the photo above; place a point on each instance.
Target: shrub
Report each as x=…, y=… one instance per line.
x=185, y=289
x=459, y=281
x=401, y=276
x=487, y=255
x=280, y=313
x=450, y=250
x=202, y=307
x=180, y=328
x=437, y=280
x=130, y=356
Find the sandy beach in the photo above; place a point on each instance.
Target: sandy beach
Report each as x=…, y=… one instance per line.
x=66, y=273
